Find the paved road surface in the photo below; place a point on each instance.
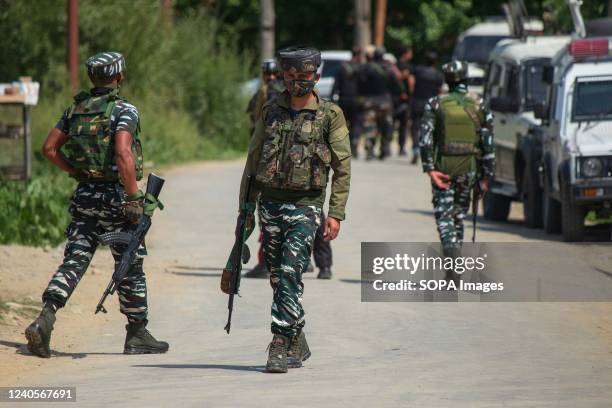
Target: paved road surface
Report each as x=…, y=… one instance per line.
x=364, y=354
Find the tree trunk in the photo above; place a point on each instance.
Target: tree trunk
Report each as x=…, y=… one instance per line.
x=166, y=10
x=363, y=35
x=267, y=22
x=381, y=14
x=73, y=44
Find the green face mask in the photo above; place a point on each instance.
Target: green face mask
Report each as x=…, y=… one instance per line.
x=300, y=87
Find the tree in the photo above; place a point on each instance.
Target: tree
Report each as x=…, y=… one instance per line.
x=267, y=23
x=363, y=34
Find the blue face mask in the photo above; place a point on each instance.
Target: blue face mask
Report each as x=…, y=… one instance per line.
x=300, y=87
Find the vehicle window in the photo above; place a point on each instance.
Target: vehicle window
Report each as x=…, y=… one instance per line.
x=494, y=78
x=476, y=48
x=512, y=83
x=592, y=100
x=331, y=67
x=534, y=88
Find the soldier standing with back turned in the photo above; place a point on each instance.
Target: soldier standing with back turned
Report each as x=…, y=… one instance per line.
x=456, y=151
x=297, y=139
x=96, y=142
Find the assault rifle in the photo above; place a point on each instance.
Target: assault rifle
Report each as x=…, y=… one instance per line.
x=230, y=279
x=476, y=195
x=131, y=241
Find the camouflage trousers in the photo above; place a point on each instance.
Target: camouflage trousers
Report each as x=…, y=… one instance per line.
x=450, y=209
x=96, y=209
x=288, y=235
x=378, y=123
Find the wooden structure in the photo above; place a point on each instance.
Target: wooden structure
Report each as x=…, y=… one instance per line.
x=15, y=140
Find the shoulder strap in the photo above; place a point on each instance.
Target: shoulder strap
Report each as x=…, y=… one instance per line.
x=325, y=107
x=109, y=108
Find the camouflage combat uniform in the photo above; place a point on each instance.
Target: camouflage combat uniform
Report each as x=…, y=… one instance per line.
x=290, y=154
x=451, y=205
x=96, y=208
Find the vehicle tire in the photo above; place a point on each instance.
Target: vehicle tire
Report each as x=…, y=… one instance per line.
x=551, y=212
x=532, y=199
x=496, y=206
x=572, y=217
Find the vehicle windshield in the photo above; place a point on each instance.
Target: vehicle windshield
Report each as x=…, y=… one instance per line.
x=593, y=101
x=476, y=48
x=535, y=89
x=330, y=67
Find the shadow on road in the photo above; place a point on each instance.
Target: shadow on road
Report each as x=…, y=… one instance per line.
x=600, y=233
x=259, y=369
x=198, y=268
x=200, y=275
x=350, y=280
x=21, y=348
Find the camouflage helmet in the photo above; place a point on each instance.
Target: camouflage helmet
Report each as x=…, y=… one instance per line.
x=269, y=66
x=455, y=71
x=105, y=65
x=299, y=59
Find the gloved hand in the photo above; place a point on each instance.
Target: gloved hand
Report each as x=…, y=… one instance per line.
x=151, y=204
x=133, y=207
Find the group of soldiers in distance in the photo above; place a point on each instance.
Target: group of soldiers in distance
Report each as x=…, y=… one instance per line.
x=378, y=93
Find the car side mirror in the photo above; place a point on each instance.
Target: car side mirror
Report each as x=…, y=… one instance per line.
x=503, y=104
x=540, y=111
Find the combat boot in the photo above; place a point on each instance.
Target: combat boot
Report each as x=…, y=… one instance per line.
x=298, y=351
x=39, y=333
x=138, y=340
x=277, y=355
x=324, y=273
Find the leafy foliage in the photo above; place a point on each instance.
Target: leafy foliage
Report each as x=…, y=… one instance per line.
x=183, y=74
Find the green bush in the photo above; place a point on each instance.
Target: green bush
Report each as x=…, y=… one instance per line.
x=182, y=75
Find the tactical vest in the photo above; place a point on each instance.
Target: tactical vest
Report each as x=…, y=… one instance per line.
x=91, y=143
x=295, y=154
x=458, y=134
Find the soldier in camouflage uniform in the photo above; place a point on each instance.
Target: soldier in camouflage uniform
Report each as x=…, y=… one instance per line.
x=298, y=138
x=96, y=141
x=456, y=144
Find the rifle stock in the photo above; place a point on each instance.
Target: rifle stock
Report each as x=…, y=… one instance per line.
x=476, y=195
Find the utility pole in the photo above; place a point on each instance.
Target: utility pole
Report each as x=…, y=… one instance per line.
x=267, y=28
x=73, y=43
x=381, y=15
x=166, y=10
x=363, y=34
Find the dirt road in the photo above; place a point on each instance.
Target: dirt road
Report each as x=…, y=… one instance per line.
x=364, y=354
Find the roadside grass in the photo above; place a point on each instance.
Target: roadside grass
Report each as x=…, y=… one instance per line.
x=26, y=308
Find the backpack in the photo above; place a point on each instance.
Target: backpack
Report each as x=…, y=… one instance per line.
x=91, y=143
x=458, y=134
